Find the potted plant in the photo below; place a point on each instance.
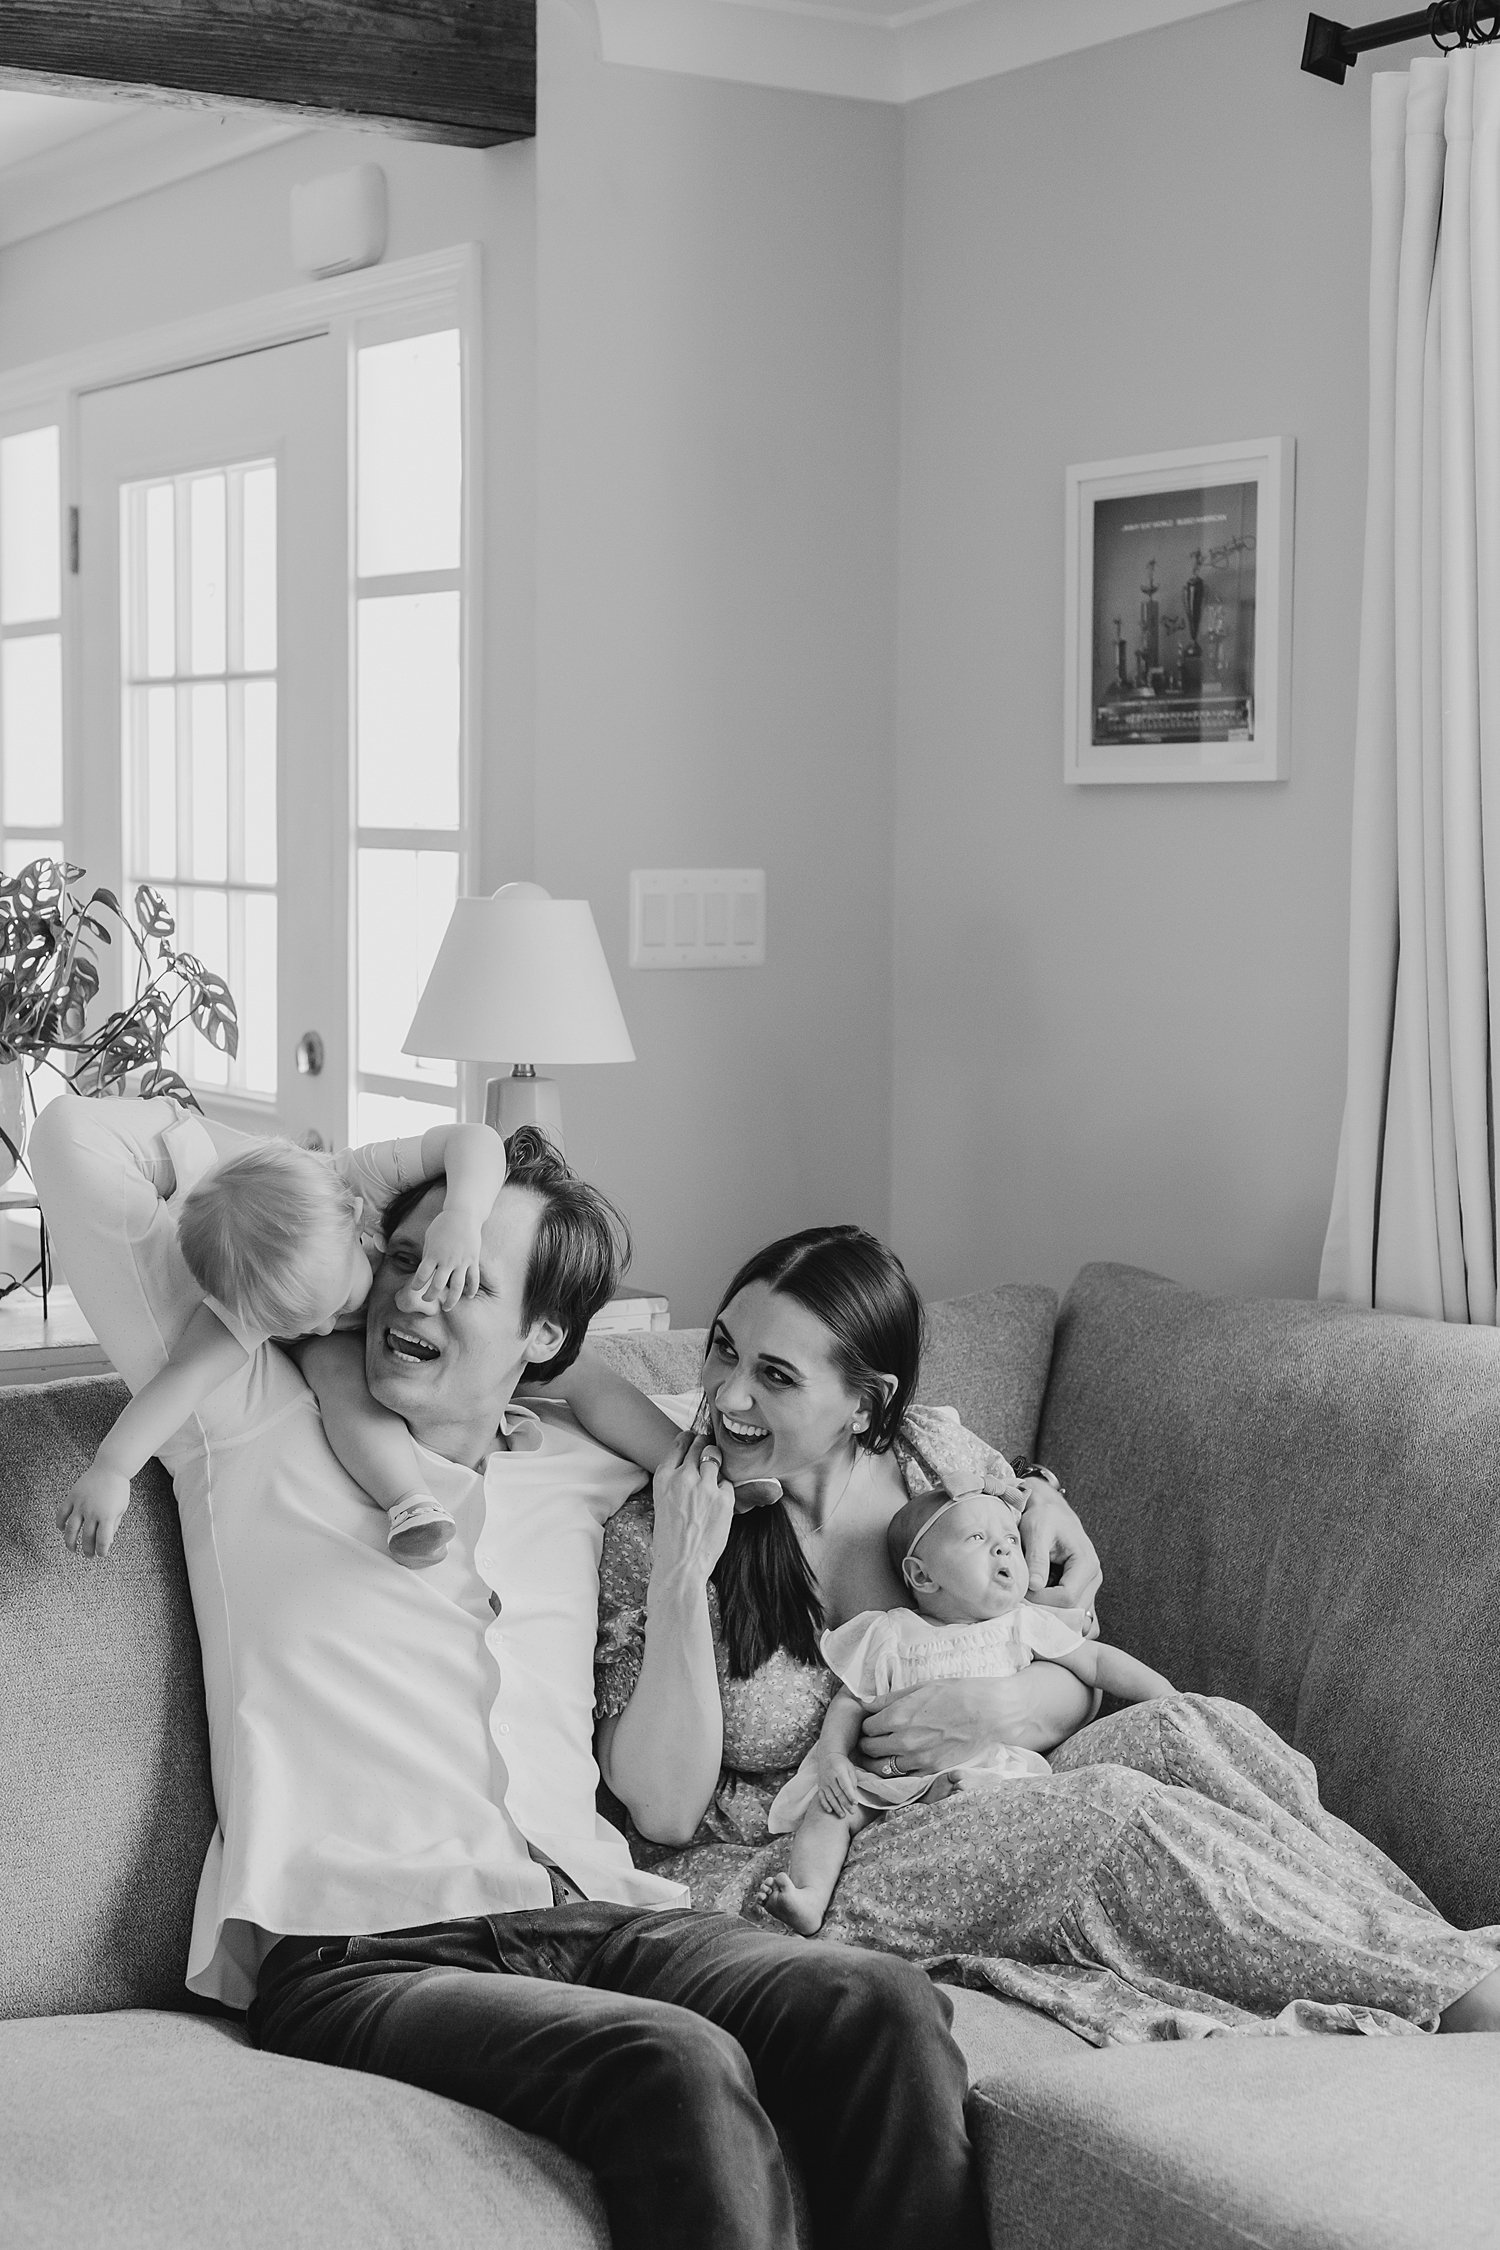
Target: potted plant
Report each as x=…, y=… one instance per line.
x=50, y=933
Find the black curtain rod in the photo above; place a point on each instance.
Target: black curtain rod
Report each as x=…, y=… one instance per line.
x=1331, y=48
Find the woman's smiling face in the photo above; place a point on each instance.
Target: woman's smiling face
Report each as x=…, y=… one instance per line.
x=778, y=1403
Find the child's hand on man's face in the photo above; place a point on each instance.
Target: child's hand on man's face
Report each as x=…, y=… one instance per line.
x=450, y=1262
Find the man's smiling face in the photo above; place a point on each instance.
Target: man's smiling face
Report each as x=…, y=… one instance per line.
x=450, y=1375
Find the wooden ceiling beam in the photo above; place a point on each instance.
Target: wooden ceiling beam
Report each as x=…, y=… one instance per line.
x=460, y=71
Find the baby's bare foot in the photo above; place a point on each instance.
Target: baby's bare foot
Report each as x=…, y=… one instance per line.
x=801, y=1910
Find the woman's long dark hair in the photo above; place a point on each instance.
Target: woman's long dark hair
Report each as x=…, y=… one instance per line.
x=858, y=1289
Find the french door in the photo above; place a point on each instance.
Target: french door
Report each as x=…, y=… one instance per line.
x=212, y=757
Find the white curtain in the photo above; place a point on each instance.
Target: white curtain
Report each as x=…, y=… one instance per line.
x=1413, y=1221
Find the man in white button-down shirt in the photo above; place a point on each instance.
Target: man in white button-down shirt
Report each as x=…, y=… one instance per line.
x=409, y=1873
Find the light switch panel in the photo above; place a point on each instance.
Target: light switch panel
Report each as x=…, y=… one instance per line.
x=697, y=917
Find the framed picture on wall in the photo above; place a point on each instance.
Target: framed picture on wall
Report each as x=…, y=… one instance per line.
x=1179, y=619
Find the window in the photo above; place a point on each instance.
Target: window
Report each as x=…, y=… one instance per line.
x=409, y=784
x=31, y=706
x=198, y=739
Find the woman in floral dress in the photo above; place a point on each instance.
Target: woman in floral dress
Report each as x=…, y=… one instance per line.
x=1174, y=1875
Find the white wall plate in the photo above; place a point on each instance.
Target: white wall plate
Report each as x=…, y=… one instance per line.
x=697, y=917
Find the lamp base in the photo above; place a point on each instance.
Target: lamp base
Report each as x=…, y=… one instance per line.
x=524, y=1099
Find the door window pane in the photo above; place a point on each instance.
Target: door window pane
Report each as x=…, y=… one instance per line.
x=160, y=590
x=206, y=537
x=408, y=680
x=258, y=702
x=410, y=455
x=20, y=851
x=209, y=862
x=31, y=729
x=258, y=502
x=404, y=906
x=384, y=1117
x=199, y=743
x=30, y=527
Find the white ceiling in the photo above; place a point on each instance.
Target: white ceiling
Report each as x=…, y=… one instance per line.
x=878, y=50
x=31, y=122
x=60, y=157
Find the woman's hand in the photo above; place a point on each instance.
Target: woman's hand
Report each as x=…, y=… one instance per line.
x=1051, y=1532
x=694, y=1510
x=948, y=1722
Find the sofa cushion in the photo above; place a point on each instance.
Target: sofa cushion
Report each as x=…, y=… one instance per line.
x=1298, y=1505
x=146, y=2131
x=104, y=1784
x=987, y=1355
x=167, y=2131
x=1284, y=2144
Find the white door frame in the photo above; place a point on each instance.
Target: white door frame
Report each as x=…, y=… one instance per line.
x=445, y=282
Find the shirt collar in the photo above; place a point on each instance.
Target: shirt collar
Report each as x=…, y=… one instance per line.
x=520, y=1428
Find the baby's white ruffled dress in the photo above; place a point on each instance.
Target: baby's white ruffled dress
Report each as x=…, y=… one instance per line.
x=884, y=1650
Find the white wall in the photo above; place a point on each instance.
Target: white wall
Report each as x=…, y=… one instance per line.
x=691, y=443
x=718, y=315
x=1120, y=1025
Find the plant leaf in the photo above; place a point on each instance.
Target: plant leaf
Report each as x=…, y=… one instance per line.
x=215, y=1014
x=40, y=887
x=153, y=912
x=161, y=1080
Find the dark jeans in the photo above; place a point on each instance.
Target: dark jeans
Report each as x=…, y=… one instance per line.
x=652, y=2046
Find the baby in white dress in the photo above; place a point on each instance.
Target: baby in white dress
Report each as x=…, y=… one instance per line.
x=961, y=1559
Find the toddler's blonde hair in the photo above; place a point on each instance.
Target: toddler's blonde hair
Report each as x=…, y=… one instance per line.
x=257, y=1233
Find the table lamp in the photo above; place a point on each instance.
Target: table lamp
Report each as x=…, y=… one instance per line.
x=521, y=974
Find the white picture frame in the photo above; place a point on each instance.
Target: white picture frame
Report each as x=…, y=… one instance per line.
x=1179, y=615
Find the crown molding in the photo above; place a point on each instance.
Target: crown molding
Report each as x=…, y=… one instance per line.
x=144, y=149
x=870, y=50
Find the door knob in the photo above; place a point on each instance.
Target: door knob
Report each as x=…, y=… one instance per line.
x=310, y=1055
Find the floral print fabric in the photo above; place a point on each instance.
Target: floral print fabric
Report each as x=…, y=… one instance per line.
x=1174, y=1876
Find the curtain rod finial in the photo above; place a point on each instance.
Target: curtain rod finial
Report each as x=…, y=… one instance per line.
x=1323, y=50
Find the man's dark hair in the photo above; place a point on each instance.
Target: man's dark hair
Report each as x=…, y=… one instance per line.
x=581, y=1247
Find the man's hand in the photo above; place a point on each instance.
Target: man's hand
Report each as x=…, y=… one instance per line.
x=949, y=1722
x=838, y=1783
x=1051, y=1532
x=450, y=1261
x=89, y=1516
x=694, y=1509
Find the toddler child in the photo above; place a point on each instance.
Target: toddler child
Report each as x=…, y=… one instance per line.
x=278, y=1241
x=961, y=1559
x=275, y=1239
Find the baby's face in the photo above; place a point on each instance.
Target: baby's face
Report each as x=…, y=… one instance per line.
x=348, y=1285
x=972, y=1555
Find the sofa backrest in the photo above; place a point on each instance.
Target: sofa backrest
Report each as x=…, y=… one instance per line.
x=1298, y=1505
x=106, y=1807
x=105, y=1803
x=988, y=1355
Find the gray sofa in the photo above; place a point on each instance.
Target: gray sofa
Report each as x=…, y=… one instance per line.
x=1297, y=1505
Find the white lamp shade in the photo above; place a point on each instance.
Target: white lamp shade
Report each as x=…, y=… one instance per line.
x=520, y=978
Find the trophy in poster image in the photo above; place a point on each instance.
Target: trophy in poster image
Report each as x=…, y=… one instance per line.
x=1184, y=563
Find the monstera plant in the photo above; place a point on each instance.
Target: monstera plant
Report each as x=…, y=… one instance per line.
x=51, y=928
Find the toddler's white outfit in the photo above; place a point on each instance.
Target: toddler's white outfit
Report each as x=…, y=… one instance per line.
x=882, y=1651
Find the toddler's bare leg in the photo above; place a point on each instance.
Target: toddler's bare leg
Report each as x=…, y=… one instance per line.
x=819, y=1850
x=375, y=1446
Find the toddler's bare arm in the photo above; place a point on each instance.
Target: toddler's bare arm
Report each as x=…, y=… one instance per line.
x=204, y=1356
